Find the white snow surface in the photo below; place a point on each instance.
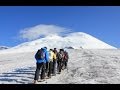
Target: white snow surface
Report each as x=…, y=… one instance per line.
x=75, y=40
x=85, y=66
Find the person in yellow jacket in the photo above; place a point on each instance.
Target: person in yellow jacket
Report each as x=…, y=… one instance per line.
x=51, y=57
x=54, y=62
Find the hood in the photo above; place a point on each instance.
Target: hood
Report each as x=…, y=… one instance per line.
x=44, y=49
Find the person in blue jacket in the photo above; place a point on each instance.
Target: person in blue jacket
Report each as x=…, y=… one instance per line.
x=41, y=65
x=46, y=62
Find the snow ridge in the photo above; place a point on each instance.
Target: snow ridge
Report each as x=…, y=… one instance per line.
x=74, y=40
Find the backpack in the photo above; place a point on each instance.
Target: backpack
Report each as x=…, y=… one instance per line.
x=65, y=55
x=60, y=56
x=40, y=54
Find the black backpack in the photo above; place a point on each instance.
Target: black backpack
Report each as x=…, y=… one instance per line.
x=60, y=56
x=40, y=54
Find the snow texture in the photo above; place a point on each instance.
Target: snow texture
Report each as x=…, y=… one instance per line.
x=85, y=66
x=91, y=61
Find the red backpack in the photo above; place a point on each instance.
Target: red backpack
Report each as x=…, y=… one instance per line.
x=65, y=55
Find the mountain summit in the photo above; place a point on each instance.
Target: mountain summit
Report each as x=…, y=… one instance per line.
x=75, y=40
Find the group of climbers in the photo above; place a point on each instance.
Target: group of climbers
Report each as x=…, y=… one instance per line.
x=48, y=63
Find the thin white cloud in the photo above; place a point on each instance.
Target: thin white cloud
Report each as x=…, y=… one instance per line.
x=36, y=32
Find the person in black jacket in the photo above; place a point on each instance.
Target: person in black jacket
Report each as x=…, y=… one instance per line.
x=60, y=60
x=66, y=57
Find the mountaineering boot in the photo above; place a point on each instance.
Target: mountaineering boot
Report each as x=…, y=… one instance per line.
x=42, y=80
x=35, y=82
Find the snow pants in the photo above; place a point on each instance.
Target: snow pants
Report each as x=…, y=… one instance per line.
x=50, y=68
x=40, y=66
x=54, y=67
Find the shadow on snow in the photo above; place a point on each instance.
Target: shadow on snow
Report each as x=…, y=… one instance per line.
x=19, y=76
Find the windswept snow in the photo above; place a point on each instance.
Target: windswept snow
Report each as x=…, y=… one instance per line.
x=85, y=66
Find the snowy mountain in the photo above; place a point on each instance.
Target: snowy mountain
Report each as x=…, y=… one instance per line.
x=75, y=40
x=89, y=65
x=3, y=47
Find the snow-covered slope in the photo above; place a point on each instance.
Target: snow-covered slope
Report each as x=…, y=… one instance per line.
x=75, y=40
x=85, y=66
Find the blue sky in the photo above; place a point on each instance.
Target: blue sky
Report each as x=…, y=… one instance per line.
x=102, y=22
